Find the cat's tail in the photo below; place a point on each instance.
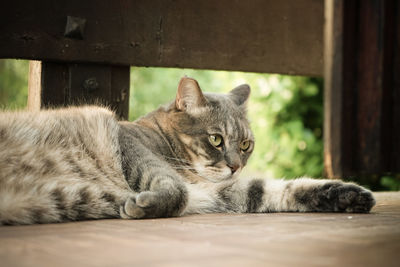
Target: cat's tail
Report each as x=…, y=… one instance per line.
x=18, y=207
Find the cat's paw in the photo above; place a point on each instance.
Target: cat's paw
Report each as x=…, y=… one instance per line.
x=142, y=205
x=351, y=198
x=337, y=197
x=346, y=197
x=149, y=204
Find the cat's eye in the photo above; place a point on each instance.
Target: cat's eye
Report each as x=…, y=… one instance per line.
x=244, y=145
x=215, y=140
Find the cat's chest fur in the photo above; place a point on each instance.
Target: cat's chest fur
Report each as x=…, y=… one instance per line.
x=156, y=138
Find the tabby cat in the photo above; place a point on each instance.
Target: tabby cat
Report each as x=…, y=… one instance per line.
x=80, y=163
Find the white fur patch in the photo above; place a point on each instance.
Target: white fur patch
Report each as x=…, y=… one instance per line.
x=201, y=199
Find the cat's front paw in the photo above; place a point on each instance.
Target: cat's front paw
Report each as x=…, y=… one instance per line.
x=338, y=197
x=150, y=204
x=353, y=198
x=142, y=205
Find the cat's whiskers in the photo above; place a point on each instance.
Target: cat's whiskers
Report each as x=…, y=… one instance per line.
x=176, y=159
x=181, y=167
x=207, y=173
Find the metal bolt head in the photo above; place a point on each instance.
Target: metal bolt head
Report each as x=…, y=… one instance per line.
x=75, y=27
x=91, y=84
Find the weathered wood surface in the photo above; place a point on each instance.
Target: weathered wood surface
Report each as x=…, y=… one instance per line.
x=34, y=85
x=64, y=84
x=277, y=239
x=259, y=35
x=361, y=124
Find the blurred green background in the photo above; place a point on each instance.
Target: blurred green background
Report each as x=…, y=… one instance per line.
x=286, y=112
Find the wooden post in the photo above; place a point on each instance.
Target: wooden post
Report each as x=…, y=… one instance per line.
x=333, y=59
x=395, y=158
x=34, y=85
x=61, y=84
x=360, y=78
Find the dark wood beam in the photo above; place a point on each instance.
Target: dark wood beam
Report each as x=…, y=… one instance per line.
x=259, y=35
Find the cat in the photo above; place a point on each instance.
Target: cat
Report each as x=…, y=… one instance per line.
x=80, y=163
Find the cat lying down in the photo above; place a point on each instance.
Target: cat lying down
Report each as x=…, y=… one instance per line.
x=81, y=163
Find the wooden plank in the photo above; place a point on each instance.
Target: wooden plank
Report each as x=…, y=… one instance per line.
x=359, y=78
x=375, y=79
x=120, y=78
x=55, y=85
x=369, y=82
x=64, y=84
x=89, y=83
x=258, y=35
x=276, y=239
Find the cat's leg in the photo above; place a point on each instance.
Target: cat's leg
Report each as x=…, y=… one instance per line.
x=163, y=194
x=160, y=191
x=269, y=195
x=326, y=196
x=307, y=194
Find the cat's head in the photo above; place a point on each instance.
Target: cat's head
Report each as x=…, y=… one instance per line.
x=213, y=128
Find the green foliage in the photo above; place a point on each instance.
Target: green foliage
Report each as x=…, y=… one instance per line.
x=288, y=126
x=390, y=182
x=13, y=83
x=285, y=114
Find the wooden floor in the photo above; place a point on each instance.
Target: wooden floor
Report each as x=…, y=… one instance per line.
x=278, y=239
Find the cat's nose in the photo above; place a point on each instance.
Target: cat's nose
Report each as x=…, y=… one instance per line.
x=234, y=167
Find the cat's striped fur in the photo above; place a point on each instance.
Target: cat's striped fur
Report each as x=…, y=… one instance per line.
x=81, y=163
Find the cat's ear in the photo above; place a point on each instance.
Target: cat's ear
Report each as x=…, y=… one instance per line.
x=189, y=95
x=240, y=94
